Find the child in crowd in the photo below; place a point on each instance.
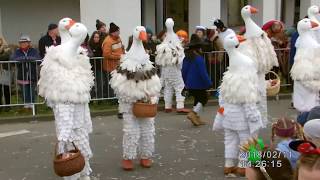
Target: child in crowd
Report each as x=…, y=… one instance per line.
x=196, y=78
x=287, y=130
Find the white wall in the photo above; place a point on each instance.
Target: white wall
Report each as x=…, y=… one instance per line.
x=257, y=18
x=202, y=11
x=270, y=10
x=194, y=15
x=150, y=14
x=124, y=13
x=0, y=23
x=289, y=13
x=209, y=9
x=33, y=16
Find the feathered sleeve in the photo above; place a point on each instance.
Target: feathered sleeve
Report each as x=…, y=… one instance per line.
x=254, y=117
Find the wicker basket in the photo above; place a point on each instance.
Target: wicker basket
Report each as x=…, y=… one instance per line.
x=284, y=127
x=273, y=90
x=68, y=166
x=144, y=110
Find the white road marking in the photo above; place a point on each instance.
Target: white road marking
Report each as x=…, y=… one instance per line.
x=14, y=133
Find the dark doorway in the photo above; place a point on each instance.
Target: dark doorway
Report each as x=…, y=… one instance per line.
x=178, y=10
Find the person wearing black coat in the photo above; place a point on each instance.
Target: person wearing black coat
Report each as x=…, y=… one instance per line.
x=52, y=38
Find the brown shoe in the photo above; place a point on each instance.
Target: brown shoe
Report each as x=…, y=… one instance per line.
x=200, y=121
x=241, y=171
x=167, y=110
x=192, y=116
x=146, y=163
x=229, y=171
x=127, y=165
x=183, y=111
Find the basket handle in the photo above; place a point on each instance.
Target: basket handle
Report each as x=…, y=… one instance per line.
x=277, y=76
x=56, y=147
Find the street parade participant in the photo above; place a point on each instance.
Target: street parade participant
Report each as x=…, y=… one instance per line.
x=238, y=113
x=260, y=49
x=196, y=78
x=136, y=80
x=170, y=54
x=65, y=82
x=305, y=70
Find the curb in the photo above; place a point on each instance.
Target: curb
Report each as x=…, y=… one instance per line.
x=109, y=112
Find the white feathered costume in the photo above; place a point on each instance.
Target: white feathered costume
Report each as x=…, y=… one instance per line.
x=305, y=70
x=170, y=54
x=65, y=82
x=313, y=12
x=239, y=96
x=136, y=79
x=260, y=49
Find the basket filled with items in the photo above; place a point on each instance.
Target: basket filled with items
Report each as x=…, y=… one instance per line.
x=273, y=84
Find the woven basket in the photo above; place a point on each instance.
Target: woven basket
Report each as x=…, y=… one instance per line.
x=144, y=110
x=68, y=166
x=284, y=127
x=273, y=90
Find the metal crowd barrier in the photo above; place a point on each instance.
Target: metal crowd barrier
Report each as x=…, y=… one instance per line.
x=218, y=61
x=16, y=89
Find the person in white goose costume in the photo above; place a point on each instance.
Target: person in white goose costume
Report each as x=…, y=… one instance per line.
x=305, y=70
x=170, y=54
x=239, y=95
x=258, y=46
x=65, y=82
x=136, y=79
x=313, y=12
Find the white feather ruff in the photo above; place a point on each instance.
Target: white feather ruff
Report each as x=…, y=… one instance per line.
x=306, y=68
x=65, y=80
x=133, y=64
x=169, y=54
x=261, y=51
x=306, y=65
x=313, y=85
x=240, y=87
x=130, y=90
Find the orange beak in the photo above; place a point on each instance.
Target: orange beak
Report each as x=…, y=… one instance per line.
x=143, y=36
x=253, y=10
x=71, y=23
x=240, y=38
x=314, y=24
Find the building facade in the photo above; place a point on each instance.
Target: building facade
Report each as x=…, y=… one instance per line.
x=32, y=16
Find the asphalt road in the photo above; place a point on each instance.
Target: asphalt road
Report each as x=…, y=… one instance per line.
x=182, y=151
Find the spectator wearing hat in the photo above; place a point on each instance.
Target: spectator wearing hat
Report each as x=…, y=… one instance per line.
x=27, y=69
x=112, y=49
x=196, y=78
x=222, y=29
x=102, y=29
x=51, y=38
x=312, y=131
x=201, y=32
